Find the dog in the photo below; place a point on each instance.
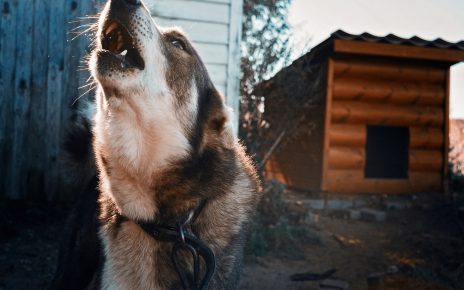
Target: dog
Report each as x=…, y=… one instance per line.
x=173, y=191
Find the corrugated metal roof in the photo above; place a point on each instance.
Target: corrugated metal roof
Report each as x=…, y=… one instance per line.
x=394, y=39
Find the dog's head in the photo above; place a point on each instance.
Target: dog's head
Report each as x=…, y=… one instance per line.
x=154, y=91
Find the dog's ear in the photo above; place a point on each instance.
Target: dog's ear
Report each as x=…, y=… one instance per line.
x=220, y=124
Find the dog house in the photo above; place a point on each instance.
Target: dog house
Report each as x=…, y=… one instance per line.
x=379, y=115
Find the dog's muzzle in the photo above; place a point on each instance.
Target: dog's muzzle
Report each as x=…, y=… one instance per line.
x=117, y=41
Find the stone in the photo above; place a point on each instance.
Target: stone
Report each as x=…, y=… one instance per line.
x=355, y=214
x=334, y=284
x=373, y=215
x=312, y=218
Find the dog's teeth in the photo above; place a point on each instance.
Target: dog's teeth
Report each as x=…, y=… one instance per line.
x=124, y=52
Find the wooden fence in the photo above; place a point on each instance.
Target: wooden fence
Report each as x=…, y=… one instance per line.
x=39, y=80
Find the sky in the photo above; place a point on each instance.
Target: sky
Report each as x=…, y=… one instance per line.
x=314, y=20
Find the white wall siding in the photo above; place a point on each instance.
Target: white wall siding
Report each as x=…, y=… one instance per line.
x=214, y=26
x=204, y=11
x=216, y=32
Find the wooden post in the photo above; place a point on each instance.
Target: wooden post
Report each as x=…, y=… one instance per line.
x=8, y=32
x=36, y=131
x=386, y=114
x=328, y=117
x=446, y=140
x=57, y=36
x=22, y=98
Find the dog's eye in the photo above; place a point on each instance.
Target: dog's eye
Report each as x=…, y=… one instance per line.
x=178, y=43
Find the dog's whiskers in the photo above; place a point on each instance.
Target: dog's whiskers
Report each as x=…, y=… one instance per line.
x=80, y=33
x=86, y=92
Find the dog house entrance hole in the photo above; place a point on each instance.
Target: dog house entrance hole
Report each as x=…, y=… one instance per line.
x=387, y=152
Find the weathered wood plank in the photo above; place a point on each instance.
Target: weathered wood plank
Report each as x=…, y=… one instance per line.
x=426, y=160
x=198, y=31
x=388, y=70
x=86, y=8
x=400, y=51
x=346, y=157
x=385, y=114
x=1, y=8
x=70, y=81
x=426, y=138
x=7, y=36
x=394, y=92
x=355, y=135
x=353, y=181
x=233, y=60
x=347, y=135
x=57, y=36
x=22, y=99
x=191, y=10
x=37, y=126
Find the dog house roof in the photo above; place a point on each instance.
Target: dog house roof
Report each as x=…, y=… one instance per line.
x=394, y=39
x=341, y=42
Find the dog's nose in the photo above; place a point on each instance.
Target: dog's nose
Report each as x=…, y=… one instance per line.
x=134, y=2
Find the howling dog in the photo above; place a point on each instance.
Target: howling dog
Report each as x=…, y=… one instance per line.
x=175, y=188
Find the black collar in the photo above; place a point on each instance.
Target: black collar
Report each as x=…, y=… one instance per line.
x=183, y=237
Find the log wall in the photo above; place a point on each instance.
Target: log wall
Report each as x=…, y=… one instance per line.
x=376, y=92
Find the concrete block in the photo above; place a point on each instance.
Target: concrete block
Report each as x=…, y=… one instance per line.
x=314, y=203
x=339, y=203
x=355, y=214
x=312, y=218
x=397, y=204
x=357, y=203
x=334, y=284
x=339, y=214
x=373, y=215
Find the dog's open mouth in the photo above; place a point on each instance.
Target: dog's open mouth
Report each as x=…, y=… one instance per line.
x=117, y=40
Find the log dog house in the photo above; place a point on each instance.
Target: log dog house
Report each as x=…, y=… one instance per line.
x=380, y=115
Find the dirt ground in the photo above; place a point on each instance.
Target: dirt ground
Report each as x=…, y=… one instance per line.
x=29, y=239
x=420, y=246
x=423, y=245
